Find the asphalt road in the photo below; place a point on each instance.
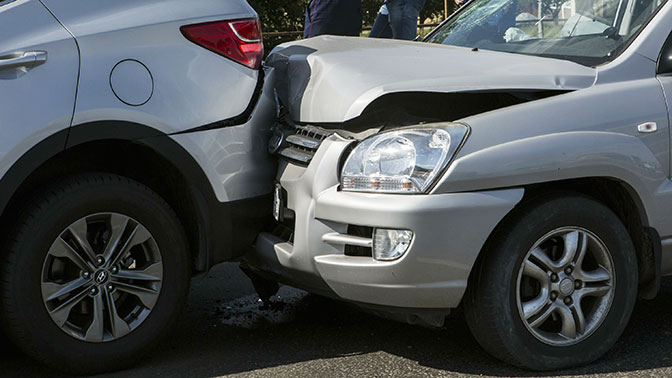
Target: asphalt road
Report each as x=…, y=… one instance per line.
x=224, y=331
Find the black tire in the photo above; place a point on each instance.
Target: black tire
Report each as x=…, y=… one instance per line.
x=491, y=306
x=25, y=317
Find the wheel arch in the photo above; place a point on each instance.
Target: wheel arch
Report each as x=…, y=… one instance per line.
x=136, y=151
x=621, y=198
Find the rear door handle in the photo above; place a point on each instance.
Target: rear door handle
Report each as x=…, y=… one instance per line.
x=27, y=60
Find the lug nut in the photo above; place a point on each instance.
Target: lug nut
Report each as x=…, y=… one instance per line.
x=114, y=270
x=568, y=301
x=554, y=295
x=86, y=275
x=110, y=287
x=100, y=260
x=568, y=270
x=93, y=291
x=554, y=277
x=577, y=284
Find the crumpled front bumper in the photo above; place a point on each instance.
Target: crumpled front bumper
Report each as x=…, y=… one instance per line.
x=449, y=232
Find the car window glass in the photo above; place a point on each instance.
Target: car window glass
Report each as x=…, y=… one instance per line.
x=587, y=31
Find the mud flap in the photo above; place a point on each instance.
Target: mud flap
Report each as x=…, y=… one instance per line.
x=265, y=288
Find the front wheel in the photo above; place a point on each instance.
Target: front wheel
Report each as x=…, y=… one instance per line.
x=97, y=270
x=570, y=282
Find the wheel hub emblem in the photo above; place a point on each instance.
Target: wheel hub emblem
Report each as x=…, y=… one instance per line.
x=566, y=287
x=101, y=277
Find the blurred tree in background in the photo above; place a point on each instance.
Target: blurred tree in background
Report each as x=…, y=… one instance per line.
x=288, y=16
x=279, y=16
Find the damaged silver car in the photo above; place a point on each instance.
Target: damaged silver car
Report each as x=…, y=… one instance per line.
x=515, y=163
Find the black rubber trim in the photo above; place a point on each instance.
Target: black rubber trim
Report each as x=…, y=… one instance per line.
x=226, y=229
x=649, y=289
x=664, y=66
x=28, y=163
x=110, y=130
x=238, y=120
x=218, y=222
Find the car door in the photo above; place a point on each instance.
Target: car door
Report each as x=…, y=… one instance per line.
x=39, y=64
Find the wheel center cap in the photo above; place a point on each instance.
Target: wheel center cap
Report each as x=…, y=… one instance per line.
x=566, y=287
x=101, y=277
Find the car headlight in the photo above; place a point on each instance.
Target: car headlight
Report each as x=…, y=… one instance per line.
x=402, y=161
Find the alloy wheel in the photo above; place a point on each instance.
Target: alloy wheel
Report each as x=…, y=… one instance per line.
x=101, y=277
x=565, y=286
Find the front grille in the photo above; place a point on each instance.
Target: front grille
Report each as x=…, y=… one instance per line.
x=301, y=146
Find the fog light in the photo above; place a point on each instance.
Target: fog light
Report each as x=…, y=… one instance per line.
x=390, y=244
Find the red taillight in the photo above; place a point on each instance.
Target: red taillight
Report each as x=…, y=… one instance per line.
x=239, y=40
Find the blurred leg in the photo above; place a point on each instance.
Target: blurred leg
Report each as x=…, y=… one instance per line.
x=404, y=18
x=334, y=17
x=381, y=28
x=308, y=23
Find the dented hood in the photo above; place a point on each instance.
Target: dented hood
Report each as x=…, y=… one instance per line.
x=333, y=79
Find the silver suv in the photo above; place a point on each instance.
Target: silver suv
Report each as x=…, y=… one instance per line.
x=133, y=155
x=516, y=164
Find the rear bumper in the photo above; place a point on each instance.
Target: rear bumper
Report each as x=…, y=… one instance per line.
x=233, y=203
x=235, y=225
x=449, y=232
x=235, y=158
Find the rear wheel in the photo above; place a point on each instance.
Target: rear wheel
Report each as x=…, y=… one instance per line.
x=570, y=281
x=97, y=270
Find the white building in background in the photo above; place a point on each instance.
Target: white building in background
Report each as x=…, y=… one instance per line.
x=568, y=9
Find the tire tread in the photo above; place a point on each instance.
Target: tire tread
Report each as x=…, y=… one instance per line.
x=9, y=314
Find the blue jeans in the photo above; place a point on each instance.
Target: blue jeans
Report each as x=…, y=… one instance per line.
x=381, y=28
x=404, y=18
x=335, y=17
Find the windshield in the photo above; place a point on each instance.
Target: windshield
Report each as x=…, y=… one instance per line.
x=589, y=32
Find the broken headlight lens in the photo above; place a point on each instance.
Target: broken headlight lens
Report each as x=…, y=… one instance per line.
x=402, y=161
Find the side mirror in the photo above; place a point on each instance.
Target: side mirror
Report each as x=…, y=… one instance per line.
x=665, y=58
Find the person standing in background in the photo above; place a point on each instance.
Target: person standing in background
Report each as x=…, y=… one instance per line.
x=334, y=17
x=402, y=18
x=381, y=27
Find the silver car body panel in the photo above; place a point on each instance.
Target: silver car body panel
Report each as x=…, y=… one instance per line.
x=236, y=159
x=171, y=85
x=450, y=230
x=121, y=76
x=333, y=79
x=541, y=141
x=26, y=26
x=591, y=129
x=192, y=86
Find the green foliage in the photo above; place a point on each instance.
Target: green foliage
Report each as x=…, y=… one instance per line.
x=279, y=15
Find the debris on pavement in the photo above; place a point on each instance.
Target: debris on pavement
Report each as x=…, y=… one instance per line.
x=250, y=312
